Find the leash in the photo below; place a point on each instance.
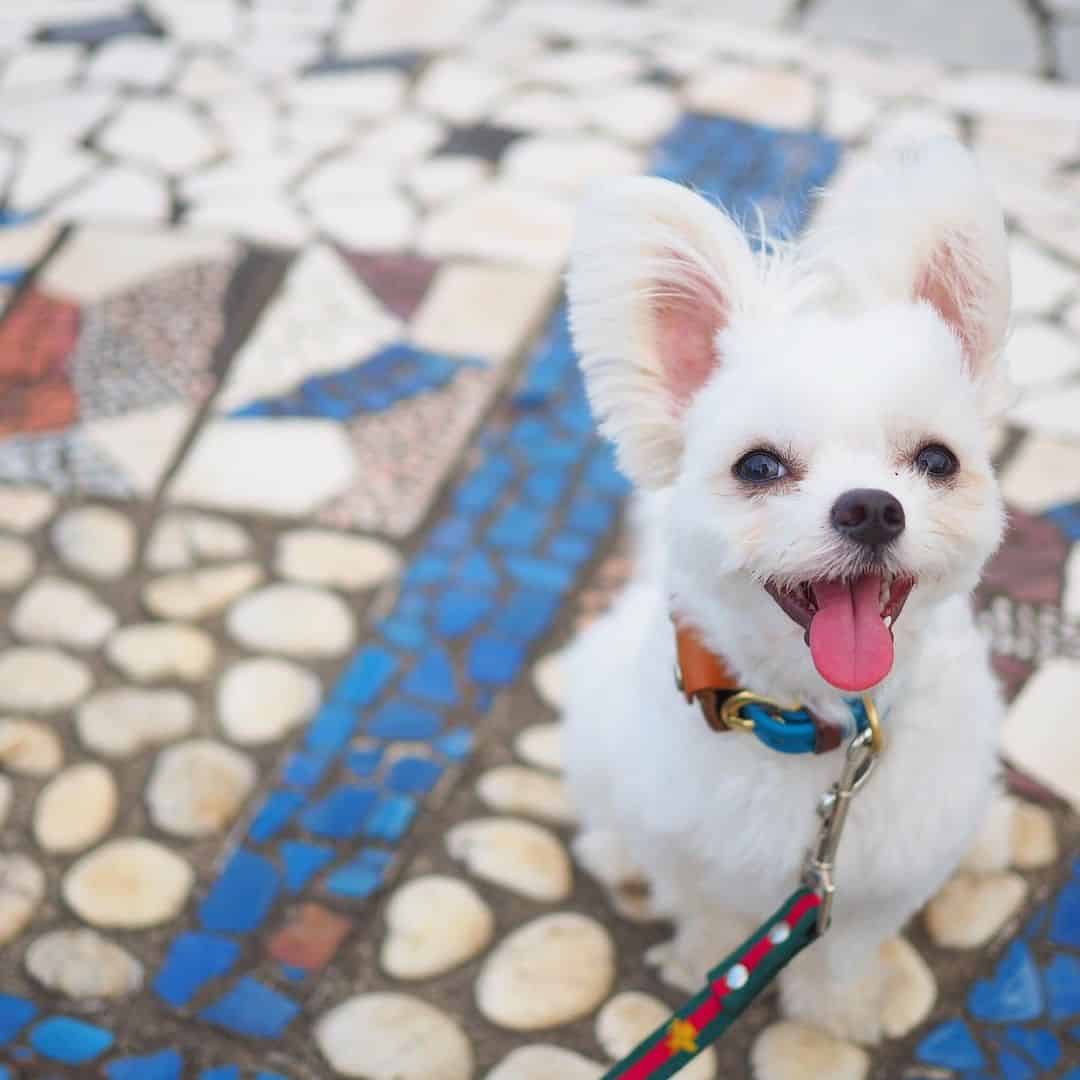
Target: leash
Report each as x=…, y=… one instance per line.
x=734, y=984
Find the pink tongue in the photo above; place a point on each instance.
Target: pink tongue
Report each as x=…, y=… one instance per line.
x=850, y=643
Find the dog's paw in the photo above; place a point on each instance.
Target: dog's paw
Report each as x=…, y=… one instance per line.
x=973, y=908
x=910, y=989
x=792, y=1051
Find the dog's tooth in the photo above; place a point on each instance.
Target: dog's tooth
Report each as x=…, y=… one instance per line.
x=888, y=622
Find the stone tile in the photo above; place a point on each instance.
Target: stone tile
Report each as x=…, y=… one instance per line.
x=406, y=137
x=1007, y=37
x=1044, y=472
x=197, y=21
x=915, y=123
x=24, y=509
x=541, y=109
x=29, y=748
x=459, y=91
x=782, y=98
x=342, y=180
x=629, y=1018
x=785, y=1049
x=41, y=679
x=982, y=92
x=389, y=26
x=148, y=652
x=197, y=594
x=179, y=541
x=1070, y=602
x=297, y=620
x=66, y=115
x=336, y=560
x=248, y=121
x=262, y=698
x=1040, y=282
x=541, y=1061
x=47, y=169
x=121, y=721
x=1052, y=412
x=266, y=219
x=161, y=134
x=133, y=61
x=1038, y=353
x=116, y=193
x=53, y=611
x=512, y=299
x=1051, y=140
x=41, y=65
x=567, y=164
x=82, y=964
x=23, y=243
x=370, y=95
x=377, y=223
x=525, y=858
x=972, y=908
x=1033, y=738
x=1066, y=38
x=399, y=281
x=310, y=938
x=584, y=67
x=239, y=178
x=22, y=889
x=75, y=809
x=637, y=113
x=95, y=540
x=16, y=562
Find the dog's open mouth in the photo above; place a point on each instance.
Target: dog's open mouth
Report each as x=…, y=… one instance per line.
x=848, y=624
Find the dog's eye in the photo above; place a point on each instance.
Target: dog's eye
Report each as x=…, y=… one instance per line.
x=936, y=461
x=760, y=467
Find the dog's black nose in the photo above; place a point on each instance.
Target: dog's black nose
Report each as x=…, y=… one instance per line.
x=868, y=516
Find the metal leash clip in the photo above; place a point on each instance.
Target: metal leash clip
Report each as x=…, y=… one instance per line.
x=862, y=755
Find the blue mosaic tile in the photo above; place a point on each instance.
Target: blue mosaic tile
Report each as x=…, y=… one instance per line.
x=603, y=475
x=593, y=518
x=517, y=528
x=571, y=549
x=457, y=612
x=69, y=1040
x=1014, y=993
x=364, y=763
x=302, y=862
x=547, y=486
x=539, y=573
x=293, y=974
x=402, y=720
x=242, y=895
x=527, y=614
x=476, y=570
x=392, y=819
x=341, y=814
x=274, y=814
x=404, y=633
x=433, y=678
x=427, y=569
x=305, y=769
x=192, y=961
x=951, y=1045
x=456, y=744
x=166, y=1065
x=1067, y=519
x=483, y=488
x=222, y=1072
x=1013, y=1067
x=15, y=1014
x=1065, y=922
x=366, y=676
x=1062, y=981
x=332, y=727
x=252, y=1009
x=454, y=534
x=1042, y=1046
x=414, y=776
x=362, y=877
x=494, y=661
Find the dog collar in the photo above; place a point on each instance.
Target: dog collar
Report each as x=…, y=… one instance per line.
x=705, y=679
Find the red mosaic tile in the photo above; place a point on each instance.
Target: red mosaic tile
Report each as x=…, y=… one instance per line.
x=399, y=281
x=1030, y=566
x=310, y=938
x=48, y=405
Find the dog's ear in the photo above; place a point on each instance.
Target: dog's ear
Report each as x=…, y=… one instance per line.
x=921, y=223
x=656, y=273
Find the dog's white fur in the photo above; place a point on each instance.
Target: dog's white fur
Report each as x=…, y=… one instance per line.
x=880, y=331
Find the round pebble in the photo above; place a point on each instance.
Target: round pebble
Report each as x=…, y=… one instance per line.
x=83, y=964
x=544, y=1062
x=525, y=858
x=337, y=560
x=547, y=675
x=96, y=541
x=1034, y=841
x=182, y=540
x=790, y=1051
x=541, y=745
x=7, y=795
x=549, y=972
x=198, y=787
x=195, y=594
x=628, y=1018
x=121, y=721
x=434, y=924
x=23, y=509
x=514, y=789
x=16, y=562
x=29, y=748
x=297, y=620
x=22, y=888
x=37, y=679
x=910, y=989
x=147, y=652
x=75, y=809
x=425, y=1044
x=972, y=908
x=128, y=884
x=261, y=699
x=58, y=612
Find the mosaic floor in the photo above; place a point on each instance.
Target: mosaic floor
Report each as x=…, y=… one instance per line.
x=300, y=497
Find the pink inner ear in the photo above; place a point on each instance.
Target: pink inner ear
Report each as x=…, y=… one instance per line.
x=686, y=320
x=948, y=287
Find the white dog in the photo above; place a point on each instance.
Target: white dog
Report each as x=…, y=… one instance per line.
x=809, y=433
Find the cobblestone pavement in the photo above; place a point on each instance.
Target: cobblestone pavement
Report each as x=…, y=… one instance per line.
x=300, y=497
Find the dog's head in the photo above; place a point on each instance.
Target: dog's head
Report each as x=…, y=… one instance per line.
x=818, y=418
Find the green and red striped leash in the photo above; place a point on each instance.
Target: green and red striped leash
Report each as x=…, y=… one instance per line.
x=733, y=985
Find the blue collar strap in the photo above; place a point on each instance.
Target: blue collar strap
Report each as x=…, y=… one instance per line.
x=791, y=731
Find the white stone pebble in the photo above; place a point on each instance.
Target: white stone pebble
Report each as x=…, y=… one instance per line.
x=547, y=677
x=29, y=748
x=198, y=787
x=791, y=1051
x=96, y=541
x=972, y=908
x=131, y=884
x=434, y=924
x=16, y=562
x=261, y=699
x=120, y=721
x=147, y=652
x=568, y=164
x=435, y=180
x=75, y=809
x=196, y=594
x=297, y=620
x=183, y=539
x=7, y=794
x=541, y=745
x=545, y=1062
x=23, y=509
x=82, y=964
x=426, y=1043
x=39, y=679
x=525, y=858
x=336, y=560
x=515, y=789
x=22, y=888
x=629, y=1017
x=551, y=971
x=54, y=611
